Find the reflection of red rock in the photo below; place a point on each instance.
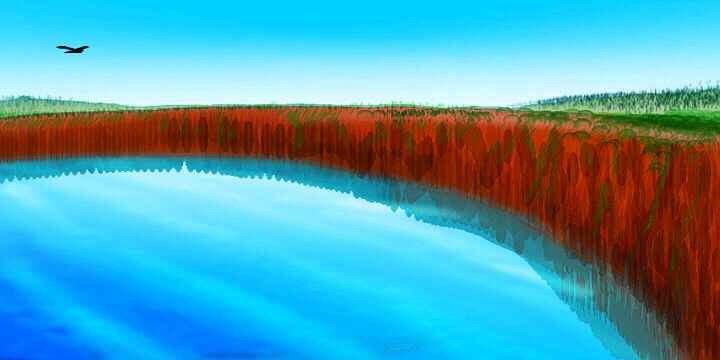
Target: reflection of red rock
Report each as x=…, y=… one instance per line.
x=645, y=210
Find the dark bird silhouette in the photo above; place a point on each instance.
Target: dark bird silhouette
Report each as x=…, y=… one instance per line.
x=73, y=50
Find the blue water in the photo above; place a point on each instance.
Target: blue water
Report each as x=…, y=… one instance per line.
x=127, y=262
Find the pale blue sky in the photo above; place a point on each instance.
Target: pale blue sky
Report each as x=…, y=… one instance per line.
x=450, y=52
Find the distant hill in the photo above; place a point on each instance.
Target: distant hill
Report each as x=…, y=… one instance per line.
x=699, y=101
x=27, y=105
x=688, y=99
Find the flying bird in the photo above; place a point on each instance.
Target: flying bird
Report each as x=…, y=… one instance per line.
x=73, y=50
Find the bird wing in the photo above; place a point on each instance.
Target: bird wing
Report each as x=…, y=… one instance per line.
x=65, y=47
x=82, y=48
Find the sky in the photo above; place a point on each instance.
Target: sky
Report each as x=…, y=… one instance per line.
x=491, y=53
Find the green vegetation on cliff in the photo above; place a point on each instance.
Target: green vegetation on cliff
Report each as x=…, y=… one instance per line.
x=685, y=111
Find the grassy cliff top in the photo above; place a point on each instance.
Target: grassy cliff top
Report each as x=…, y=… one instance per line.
x=694, y=116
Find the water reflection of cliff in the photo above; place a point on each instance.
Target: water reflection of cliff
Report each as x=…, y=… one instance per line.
x=615, y=316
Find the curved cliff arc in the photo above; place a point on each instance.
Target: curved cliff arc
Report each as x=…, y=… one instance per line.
x=639, y=204
x=619, y=320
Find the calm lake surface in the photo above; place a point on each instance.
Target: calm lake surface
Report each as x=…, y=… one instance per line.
x=166, y=258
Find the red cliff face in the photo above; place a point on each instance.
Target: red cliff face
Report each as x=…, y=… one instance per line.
x=644, y=209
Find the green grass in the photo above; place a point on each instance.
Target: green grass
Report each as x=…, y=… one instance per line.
x=699, y=125
x=28, y=105
x=693, y=111
x=703, y=124
x=695, y=122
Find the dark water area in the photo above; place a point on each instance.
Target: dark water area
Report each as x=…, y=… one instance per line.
x=205, y=258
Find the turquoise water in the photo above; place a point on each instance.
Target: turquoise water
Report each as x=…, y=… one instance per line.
x=234, y=259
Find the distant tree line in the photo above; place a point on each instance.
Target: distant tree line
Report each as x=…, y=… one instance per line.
x=702, y=98
x=26, y=105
